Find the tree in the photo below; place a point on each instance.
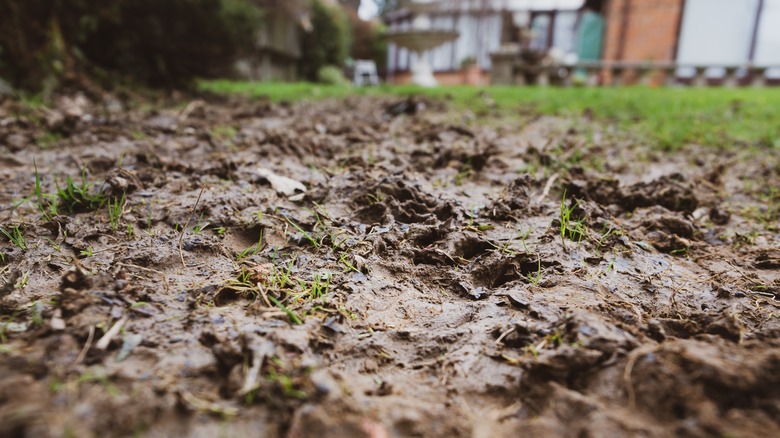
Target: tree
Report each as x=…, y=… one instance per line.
x=151, y=41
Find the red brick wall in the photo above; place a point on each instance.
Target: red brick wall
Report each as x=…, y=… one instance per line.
x=649, y=33
x=446, y=78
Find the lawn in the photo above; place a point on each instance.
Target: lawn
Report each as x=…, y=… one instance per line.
x=666, y=117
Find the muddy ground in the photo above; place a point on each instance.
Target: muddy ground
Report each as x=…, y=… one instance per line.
x=379, y=268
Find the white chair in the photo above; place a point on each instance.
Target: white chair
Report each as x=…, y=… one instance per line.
x=365, y=73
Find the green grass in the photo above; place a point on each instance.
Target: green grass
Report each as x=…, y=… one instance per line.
x=73, y=197
x=666, y=117
x=308, y=236
x=79, y=197
x=293, y=317
x=536, y=279
x=40, y=197
x=571, y=228
x=252, y=250
x=115, y=211
x=16, y=237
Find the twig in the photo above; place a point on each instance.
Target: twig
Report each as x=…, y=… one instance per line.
x=547, y=188
x=503, y=335
x=88, y=344
x=253, y=374
x=198, y=404
x=130, y=265
x=102, y=344
x=630, y=368
x=263, y=294
x=186, y=224
x=192, y=106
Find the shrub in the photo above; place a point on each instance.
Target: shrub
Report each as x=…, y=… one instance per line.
x=331, y=75
x=158, y=42
x=328, y=41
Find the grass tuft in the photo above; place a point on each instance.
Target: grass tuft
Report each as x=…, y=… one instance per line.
x=571, y=228
x=16, y=237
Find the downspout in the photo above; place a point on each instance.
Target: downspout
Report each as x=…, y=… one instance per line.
x=754, y=39
x=678, y=32
x=551, y=30
x=624, y=30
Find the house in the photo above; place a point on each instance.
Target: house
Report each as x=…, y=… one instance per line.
x=715, y=33
x=278, y=43
x=687, y=33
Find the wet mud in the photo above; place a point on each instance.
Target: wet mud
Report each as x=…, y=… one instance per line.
x=379, y=268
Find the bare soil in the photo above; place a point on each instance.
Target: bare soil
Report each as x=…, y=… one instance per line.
x=423, y=284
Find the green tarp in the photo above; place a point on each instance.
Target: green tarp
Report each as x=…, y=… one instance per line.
x=590, y=37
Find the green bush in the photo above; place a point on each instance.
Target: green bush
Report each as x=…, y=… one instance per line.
x=331, y=75
x=327, y=42
x=158, y=42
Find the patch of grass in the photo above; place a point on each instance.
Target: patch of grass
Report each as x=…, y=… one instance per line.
x=99, y=375
x=293, y=317
x=316, y=289
x=48, y=138
x=464, y=174
x=348, y=267
x=79, y=197
x=308, y=236
x=374, y=198
x=284, y=380
x=537, y=278
x=24, y=279
x=73, y=197
x=44, y=207
x=252, y=250
x=502, y=248
x=223, y=132
x=16, y=237
x=571, y=228
x=524, y=237
x=200, y=225
x=115, y=211
x=668, y=118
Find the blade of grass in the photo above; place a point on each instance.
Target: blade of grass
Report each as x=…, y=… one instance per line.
x=295, y=318
x=305, y=234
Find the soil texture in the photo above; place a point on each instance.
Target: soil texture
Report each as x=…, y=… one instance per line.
x=379, y=268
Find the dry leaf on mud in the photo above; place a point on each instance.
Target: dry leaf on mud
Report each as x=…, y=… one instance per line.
x=282, y=184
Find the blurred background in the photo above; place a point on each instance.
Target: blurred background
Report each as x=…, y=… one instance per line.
x=46, y=44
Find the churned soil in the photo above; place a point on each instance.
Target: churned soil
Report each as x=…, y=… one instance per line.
x=380, y=268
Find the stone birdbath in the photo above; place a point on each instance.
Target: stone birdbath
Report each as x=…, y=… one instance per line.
x=421, y=38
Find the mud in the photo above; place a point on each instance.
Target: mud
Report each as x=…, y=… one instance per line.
x=442, y=274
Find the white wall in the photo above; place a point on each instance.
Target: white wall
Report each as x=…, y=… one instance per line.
x=717, y=31
x=768, y=44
